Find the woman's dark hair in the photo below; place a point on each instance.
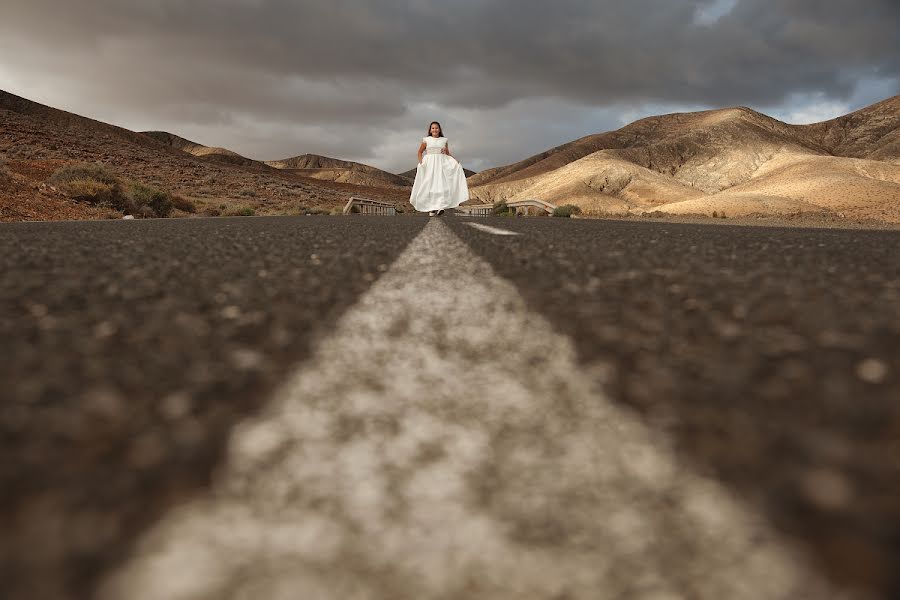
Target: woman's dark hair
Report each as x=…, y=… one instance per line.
x=441, y=129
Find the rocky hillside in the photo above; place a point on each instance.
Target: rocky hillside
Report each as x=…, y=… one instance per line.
x=222, y=155
x=37, y=140
x=872, y=132
x=344, y=171
x=736, y=160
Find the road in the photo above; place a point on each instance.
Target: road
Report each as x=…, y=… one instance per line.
x=382, y=407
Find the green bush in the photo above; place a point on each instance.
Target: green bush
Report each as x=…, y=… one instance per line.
x=500, y=208
x=239, y=211
x=566, y=210
x=159, y=202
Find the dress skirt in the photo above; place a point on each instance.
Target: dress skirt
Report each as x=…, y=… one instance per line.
x=440, y=183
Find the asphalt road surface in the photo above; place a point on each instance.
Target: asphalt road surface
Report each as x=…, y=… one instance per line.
x=376, y=407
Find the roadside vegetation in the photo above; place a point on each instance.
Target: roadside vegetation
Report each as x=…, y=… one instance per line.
x=501, y=209
x=566, y=210
x=96, y=184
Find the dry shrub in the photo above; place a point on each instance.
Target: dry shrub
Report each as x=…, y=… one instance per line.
x=183, y=204
x=95, y=171
x=158, y=201
x=566, y=210
x=96, y=184
x=97, y=192
x=239, y=211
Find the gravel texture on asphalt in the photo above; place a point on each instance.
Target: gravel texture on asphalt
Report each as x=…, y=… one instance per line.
x=131, y=348
x=771, y=355
x=494, y=467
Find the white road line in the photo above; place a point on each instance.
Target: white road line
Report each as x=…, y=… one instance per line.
x=494, y=230
x=444, y=442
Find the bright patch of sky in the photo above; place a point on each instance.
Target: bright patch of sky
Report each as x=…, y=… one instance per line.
x=814, y=107
x=710, y=13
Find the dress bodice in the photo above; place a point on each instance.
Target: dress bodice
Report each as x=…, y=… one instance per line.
x=433, y=142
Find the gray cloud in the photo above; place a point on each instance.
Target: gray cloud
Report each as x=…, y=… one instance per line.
x=271, y=78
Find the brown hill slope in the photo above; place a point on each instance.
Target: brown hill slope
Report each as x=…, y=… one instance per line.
x=687, y=146
x=599, y=183
x=871, y=132
x=803, y=183
x=212, y=153
x=546, y=161
x=36, y=140
x=343, y=171
x=688, y=161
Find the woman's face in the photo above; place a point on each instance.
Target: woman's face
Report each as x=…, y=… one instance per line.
x=435, y=130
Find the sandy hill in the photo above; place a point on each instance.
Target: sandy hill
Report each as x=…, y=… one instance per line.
x=36, y=140
x=209, y=152
x=343, y=171
x=734, y=160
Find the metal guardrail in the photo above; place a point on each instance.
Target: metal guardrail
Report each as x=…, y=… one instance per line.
x=519, y=206
x=476, y=210
x=367, y=206
x=524, y=206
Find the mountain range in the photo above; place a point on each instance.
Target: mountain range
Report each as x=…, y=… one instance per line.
x=735, y=161
x=731, y=161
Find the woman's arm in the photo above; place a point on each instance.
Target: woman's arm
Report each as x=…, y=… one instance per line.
x=447, y=150
x=421, y=150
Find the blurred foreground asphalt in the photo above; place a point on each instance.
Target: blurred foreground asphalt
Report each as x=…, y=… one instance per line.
x=385, y=407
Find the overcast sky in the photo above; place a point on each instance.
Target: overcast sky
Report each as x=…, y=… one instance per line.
x=362, y=79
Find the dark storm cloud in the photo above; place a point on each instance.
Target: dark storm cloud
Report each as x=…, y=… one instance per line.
x=363, y=65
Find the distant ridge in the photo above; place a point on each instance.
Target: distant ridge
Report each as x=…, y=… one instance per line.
x=344, y=171
x=218, y=154
x=733, y=160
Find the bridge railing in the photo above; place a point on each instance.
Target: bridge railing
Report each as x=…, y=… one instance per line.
x=476, y=210
x=367, y=206
x=518, y=206
x=525, y=206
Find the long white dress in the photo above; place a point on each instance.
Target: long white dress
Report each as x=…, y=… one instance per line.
x=440, y=180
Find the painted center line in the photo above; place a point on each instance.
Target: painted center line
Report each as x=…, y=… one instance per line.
x=443, y=441
x=494, y=230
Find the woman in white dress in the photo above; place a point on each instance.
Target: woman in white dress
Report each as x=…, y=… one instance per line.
x=440, y=180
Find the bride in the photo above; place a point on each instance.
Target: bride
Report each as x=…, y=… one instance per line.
x=440, y=180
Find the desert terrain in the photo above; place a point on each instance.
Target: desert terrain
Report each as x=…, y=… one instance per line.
x=733, y=163
x=38, y=141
